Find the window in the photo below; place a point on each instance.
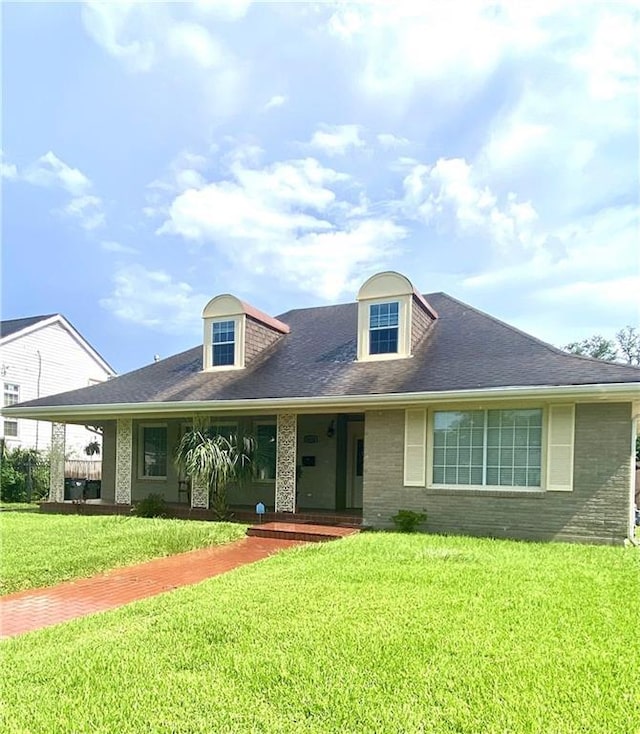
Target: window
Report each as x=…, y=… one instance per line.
x=223, y=343
x=11, y=393
x=153, y=452
x=488, y=447
x=265, y=460
x=11, y=397
x=383, y=328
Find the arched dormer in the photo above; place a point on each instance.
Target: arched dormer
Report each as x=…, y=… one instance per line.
x=392, y=317
x=235, y=332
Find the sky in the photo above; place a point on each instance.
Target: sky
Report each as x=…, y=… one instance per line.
x=155, y=155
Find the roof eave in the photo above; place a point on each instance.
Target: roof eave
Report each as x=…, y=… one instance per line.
x=601, y=392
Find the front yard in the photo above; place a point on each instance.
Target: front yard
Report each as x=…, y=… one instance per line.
x=376, y=633
x=41, y=550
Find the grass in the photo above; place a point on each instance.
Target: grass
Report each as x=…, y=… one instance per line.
x=42, y=549
x=375, y=633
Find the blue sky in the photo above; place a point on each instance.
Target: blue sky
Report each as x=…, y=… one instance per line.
x=155, y=155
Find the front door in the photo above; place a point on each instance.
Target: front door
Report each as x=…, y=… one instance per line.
x=355, y=465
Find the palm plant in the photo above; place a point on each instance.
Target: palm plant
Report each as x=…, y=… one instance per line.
x=215, y=461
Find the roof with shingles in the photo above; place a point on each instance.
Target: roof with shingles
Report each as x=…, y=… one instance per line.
x=12, y=326
x=465, y=349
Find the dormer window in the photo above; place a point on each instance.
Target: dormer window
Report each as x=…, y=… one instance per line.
x=223, y=343
x=383, y=328
x=392, y=317
x=236, y=333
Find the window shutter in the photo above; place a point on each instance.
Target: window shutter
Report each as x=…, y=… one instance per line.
x=415, y=449
x=560, y=448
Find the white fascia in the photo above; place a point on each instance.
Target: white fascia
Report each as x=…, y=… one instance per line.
x=613, y=392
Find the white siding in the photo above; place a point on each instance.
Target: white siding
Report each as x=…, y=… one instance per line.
x=43, y=362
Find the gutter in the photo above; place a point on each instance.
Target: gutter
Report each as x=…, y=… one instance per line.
x=326, y=403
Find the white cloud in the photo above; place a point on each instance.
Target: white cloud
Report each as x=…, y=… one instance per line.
x=194, y=42
x=112, y=25
x=117, y=247
x=154, y=299
x=87, y=210
x=140, y=34
x=287, y=220
x=7, y=170
x=454, y=45
x=388, y=140
x=225, y=9
x=276, y=101
x=51, y=172
x=448, y=195
x=337, y=139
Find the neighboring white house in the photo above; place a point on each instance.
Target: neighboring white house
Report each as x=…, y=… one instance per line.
x=40, y=356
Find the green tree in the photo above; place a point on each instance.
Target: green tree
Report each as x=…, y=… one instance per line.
x=595, y=346
x=624, y=348
x=216, y=461
x=24, y=475
x=629, y=344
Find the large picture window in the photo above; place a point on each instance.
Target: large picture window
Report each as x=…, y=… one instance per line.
x=153, y=455
x=223, y=343
x=488, y=447
x=383, y=328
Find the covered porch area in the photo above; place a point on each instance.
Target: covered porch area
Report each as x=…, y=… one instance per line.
x=310, y=465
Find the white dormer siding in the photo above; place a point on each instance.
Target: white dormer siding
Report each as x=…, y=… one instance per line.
x=392, y=317
x=234, y=333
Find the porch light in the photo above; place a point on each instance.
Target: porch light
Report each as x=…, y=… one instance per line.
x=331, y=430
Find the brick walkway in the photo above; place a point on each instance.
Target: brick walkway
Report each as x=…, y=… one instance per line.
x=26, y=611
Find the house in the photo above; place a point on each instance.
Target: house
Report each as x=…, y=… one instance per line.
x=40, y=356
x=396, y=401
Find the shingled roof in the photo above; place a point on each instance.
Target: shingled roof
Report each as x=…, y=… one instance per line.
x=464, y=349
x=12, y=326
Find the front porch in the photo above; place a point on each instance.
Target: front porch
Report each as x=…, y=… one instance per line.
x=310, y=465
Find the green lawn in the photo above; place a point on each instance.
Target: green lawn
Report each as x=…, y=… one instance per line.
x=375, y=633
x=41, y=549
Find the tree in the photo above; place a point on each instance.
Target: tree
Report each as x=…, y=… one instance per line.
x=215, y=461
x=624, y=348
x=595, y=346
x=629, y=344
x=24, y=475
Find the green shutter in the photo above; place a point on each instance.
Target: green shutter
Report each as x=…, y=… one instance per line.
x=415, y=448
x=560, y=448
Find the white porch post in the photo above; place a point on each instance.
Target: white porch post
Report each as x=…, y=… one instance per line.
x=287, y=428
x=124, y=459
x=56, y=462
x=199, y=495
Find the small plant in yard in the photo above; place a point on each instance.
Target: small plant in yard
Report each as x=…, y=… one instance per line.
x=153, y=505
x=407, y=521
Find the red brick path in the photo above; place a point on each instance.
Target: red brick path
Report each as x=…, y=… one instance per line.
x=26, y=611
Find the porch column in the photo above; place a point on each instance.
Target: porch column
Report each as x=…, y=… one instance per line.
x=287, y=427
x=124, y=460
x=199, y=495
x=56, y=462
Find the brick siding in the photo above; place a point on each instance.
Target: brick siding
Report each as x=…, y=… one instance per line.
x=596, y=511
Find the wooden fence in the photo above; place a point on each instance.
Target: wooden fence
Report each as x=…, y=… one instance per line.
x=82, y=469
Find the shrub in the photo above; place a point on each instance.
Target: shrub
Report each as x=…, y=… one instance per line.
x=153, y=505
x=24, y=475
x=407, y=521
